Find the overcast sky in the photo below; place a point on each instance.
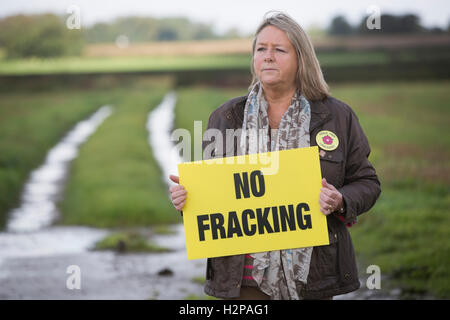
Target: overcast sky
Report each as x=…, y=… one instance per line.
x=244, y=15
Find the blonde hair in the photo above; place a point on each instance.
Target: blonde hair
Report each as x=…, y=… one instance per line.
x=309, y=77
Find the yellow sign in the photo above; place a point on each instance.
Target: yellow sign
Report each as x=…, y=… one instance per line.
x=327, y=140
x=233, y=207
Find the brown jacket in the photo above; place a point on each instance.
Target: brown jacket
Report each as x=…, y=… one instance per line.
x=333, y=268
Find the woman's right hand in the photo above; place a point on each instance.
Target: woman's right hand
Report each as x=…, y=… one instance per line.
x=178, y=193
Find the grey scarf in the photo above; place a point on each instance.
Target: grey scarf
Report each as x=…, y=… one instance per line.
x=280, y=274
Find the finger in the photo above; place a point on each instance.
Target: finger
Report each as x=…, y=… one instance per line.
x=325, y=205
x=326, y=199
x=179, y=193
x=178, y=200
x=327, y=185
x=174, y=178
x=325, y=211
x=176, y=188
x=180, y=206
x=330, y=193
x=326, y=191
x=322, y=209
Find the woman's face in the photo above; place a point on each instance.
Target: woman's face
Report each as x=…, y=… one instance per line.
x=275, y=59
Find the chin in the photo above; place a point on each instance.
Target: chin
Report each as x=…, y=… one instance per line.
x=270, y=82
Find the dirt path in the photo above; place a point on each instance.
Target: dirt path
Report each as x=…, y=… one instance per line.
x=104, y=275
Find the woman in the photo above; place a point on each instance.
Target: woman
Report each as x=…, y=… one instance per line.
x=290, y=101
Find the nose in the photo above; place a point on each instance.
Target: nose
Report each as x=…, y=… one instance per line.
x=269, y=56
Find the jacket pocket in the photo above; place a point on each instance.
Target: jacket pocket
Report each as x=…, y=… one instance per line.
x=332, y=167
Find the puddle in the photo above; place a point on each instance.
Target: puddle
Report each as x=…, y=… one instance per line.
x=40, y=273
x=159, y=125
x=38, y=202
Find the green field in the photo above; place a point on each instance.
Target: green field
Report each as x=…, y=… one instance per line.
x=115, y=180
x=30, y=124
x=405, y=233
x=77, y=65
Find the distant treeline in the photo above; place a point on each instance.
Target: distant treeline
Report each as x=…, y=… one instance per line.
x=389, y=24
x=40, y=35
x=148, y=29
x=46, y=35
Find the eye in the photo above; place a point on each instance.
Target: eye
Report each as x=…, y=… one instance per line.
x=260, y=49
x=281, y=50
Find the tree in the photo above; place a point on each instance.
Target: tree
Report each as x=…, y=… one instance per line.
x=44, y=35
x=340, y=26
x=390, y=24
x=144, y=29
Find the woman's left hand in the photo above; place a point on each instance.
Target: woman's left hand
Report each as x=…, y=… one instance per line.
x=330, y=198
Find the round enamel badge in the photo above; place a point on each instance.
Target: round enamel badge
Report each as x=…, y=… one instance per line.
x=327, y=140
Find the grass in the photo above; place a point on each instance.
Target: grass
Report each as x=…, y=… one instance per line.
x=129, y=241
x=76, y=65
x=83, y=64
x=31, y=122
x=196, y=104
x=199, y=280
x=163, y=230
x=406, y=232
x=115, y=181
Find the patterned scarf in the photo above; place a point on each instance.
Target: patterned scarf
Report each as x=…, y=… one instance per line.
x=280, y=274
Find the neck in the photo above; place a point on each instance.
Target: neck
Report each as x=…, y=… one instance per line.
x=279, y=100
x=277, y=95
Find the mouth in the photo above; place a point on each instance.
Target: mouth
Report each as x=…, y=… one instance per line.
x=269, y=69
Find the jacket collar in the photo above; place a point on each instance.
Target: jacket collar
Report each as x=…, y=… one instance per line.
x=319, y=113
